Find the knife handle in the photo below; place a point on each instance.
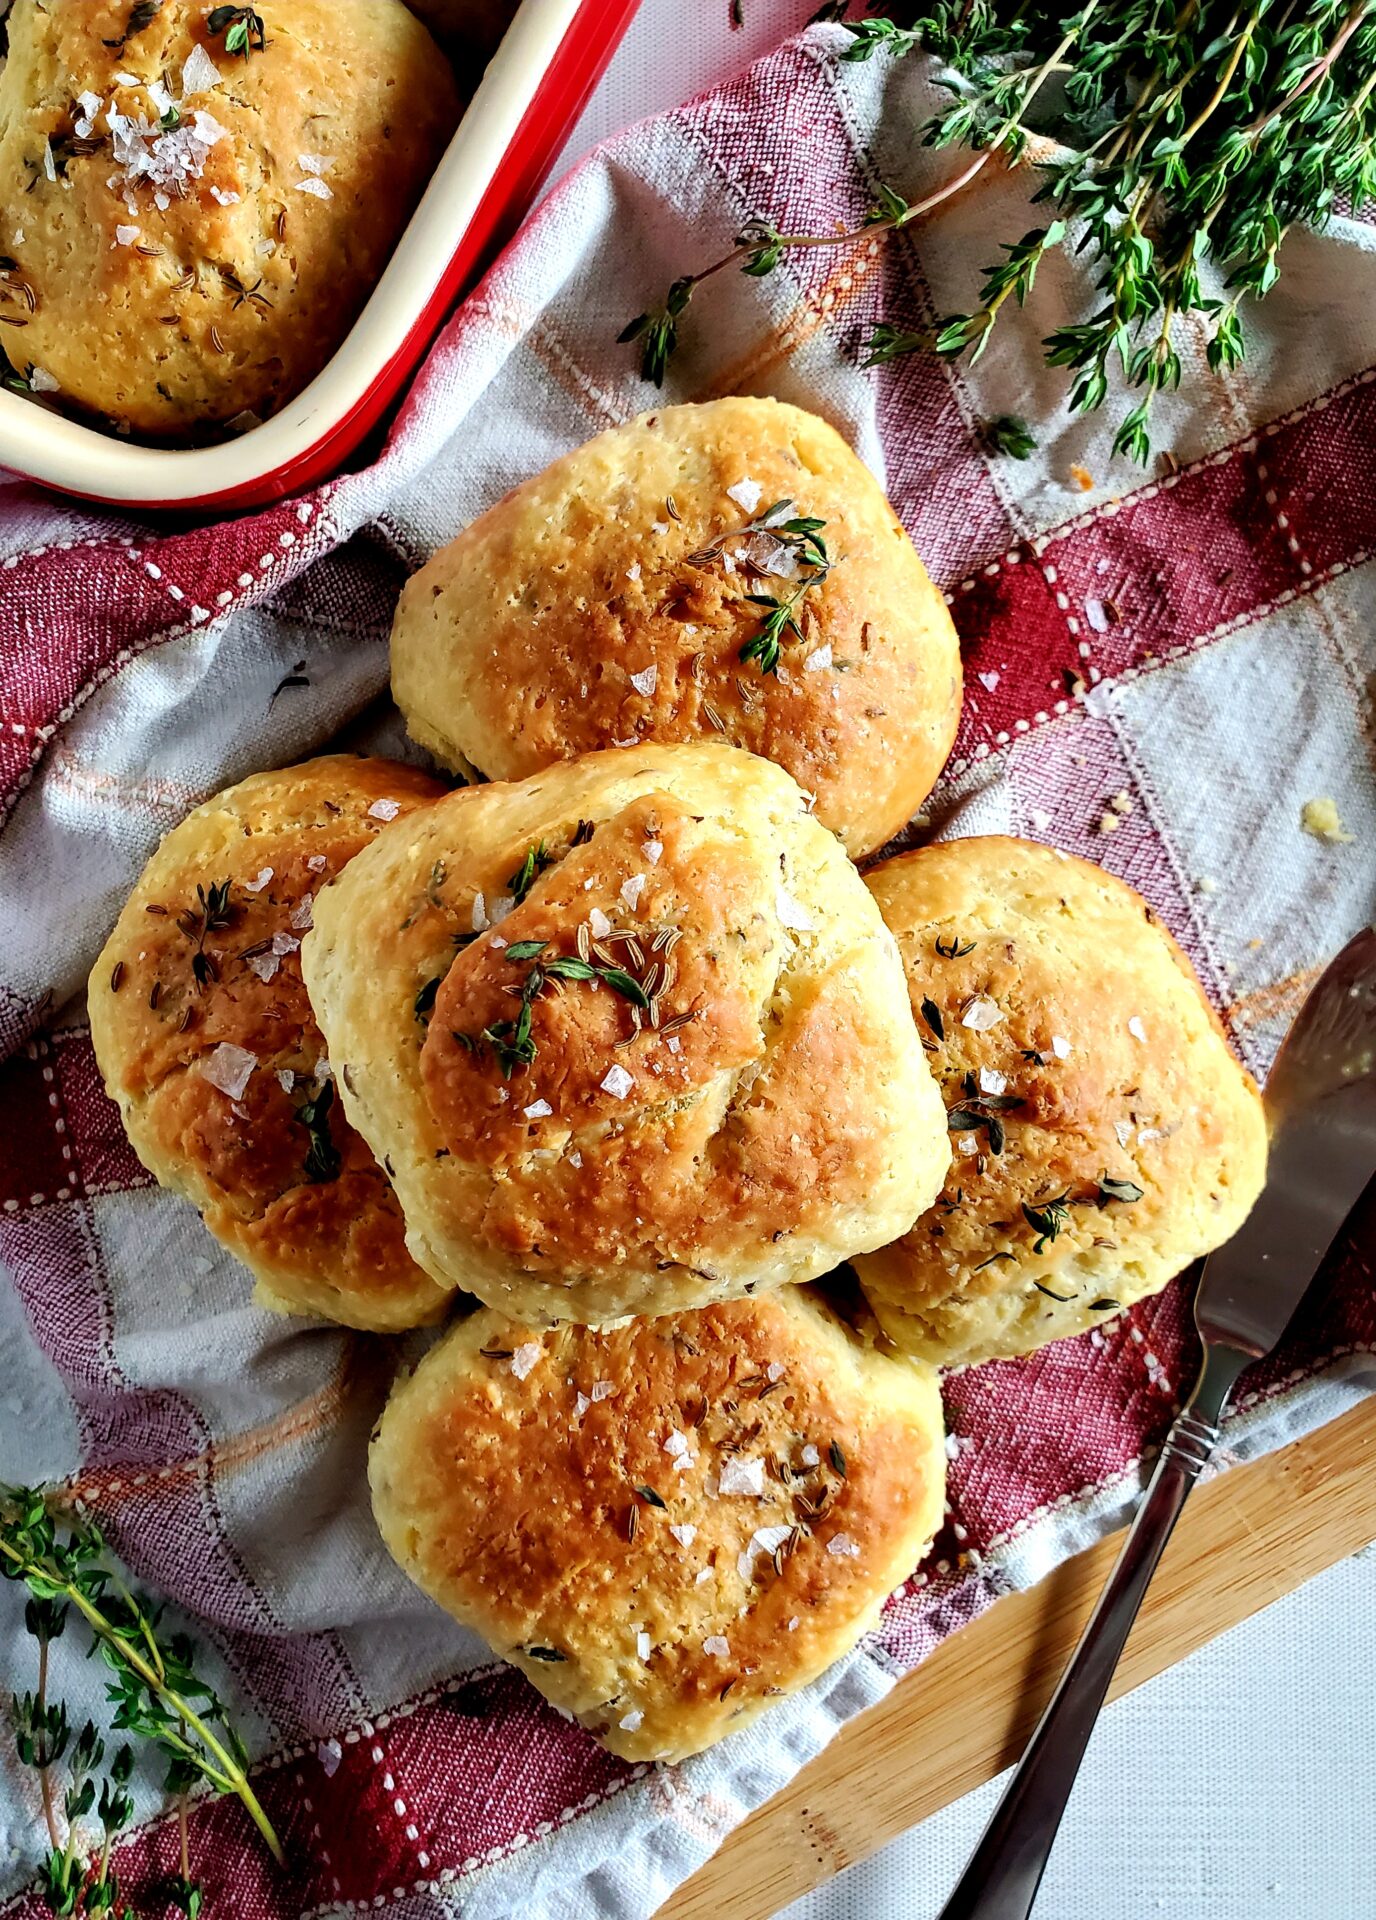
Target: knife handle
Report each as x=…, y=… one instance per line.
x=1005, y=1870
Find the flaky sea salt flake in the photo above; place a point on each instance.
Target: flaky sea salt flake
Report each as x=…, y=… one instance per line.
x=792, y=913
x=981, y=1014
x=259, y=881
x=746, y=493
x=384, y=810
x=525, y=1357
x=646, y=680
x=617, y=1082
x=228, y=1068
x=742, y=1476
x=717, y=1644
x=199, y=72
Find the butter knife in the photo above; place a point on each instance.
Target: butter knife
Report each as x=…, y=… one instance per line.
x=1321, y=1112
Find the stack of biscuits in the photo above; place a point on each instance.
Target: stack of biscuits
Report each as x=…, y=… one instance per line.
x=611, y=1058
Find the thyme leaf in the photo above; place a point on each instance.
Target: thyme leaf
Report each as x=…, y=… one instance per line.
x=1124, y=1190
x=536, y=860
x=242, y=29
x=1047, y=1221
x=322, y=1163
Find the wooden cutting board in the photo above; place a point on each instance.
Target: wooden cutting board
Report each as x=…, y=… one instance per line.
x=1245, y=1539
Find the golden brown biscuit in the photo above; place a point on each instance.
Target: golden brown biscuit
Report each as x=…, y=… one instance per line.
x=609, y=600
x=206, y=1040
x=630, y=1034
x=203, y=253
x=1104, y=1135
x=669, y=1523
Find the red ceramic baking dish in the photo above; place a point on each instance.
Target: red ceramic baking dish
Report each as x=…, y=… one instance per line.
x=535, y=86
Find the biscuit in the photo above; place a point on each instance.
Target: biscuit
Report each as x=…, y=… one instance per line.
x=1104, y=1136
x=192, y=229
x=666, y=1524
x=630, y=1035
x=205, y=1038
x=610, y=599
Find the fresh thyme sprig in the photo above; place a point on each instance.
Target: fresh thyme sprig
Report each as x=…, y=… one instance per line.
x=323, y=1160
x=801, y=536
x=976, y=1110
x=537, y=858
x=1183, y=139
x=512, y=1042
x=212, y=913
x=152, y=1686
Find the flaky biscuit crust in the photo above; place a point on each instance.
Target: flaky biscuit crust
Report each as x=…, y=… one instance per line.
x=1065, y=1027
x=176, y=985
x=529, y=1484
x=231, y=297
x=570, y=617
x=722, y=1088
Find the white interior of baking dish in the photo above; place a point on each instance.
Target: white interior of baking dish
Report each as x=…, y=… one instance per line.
x=81, y=459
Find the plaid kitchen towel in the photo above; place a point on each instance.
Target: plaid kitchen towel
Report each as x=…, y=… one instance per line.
x=1201, y=642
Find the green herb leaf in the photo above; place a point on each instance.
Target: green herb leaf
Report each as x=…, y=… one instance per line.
x=651, y=1498
x=242, y=29
x=1047, y=1220
x=1125, y=1190
x=1008, y=434
x=931, y=1013
x=526, y=949
x=322, y=1157
x=425, y=999
x=529, y=871
x=955, y=948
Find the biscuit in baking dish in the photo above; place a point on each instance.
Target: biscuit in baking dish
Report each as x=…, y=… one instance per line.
x=205, y=1038
x=1104, y=1136
x=609, y=600
x=668, y=1523
x=630, y=1035
x=191, y=229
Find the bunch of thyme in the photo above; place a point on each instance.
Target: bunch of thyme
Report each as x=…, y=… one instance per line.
x=1186, y=139
x=154, y=1691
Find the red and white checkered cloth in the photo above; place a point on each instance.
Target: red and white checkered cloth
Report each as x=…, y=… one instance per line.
x=223, y=1449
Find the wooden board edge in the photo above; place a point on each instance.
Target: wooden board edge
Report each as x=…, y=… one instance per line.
x=1245, y=1539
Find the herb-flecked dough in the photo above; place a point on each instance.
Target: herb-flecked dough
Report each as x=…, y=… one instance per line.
x=667, y=1524
x=193, y=227
x=630, y=1034
x=207, y=1044
x=641, y=588
x=1103, y=1134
